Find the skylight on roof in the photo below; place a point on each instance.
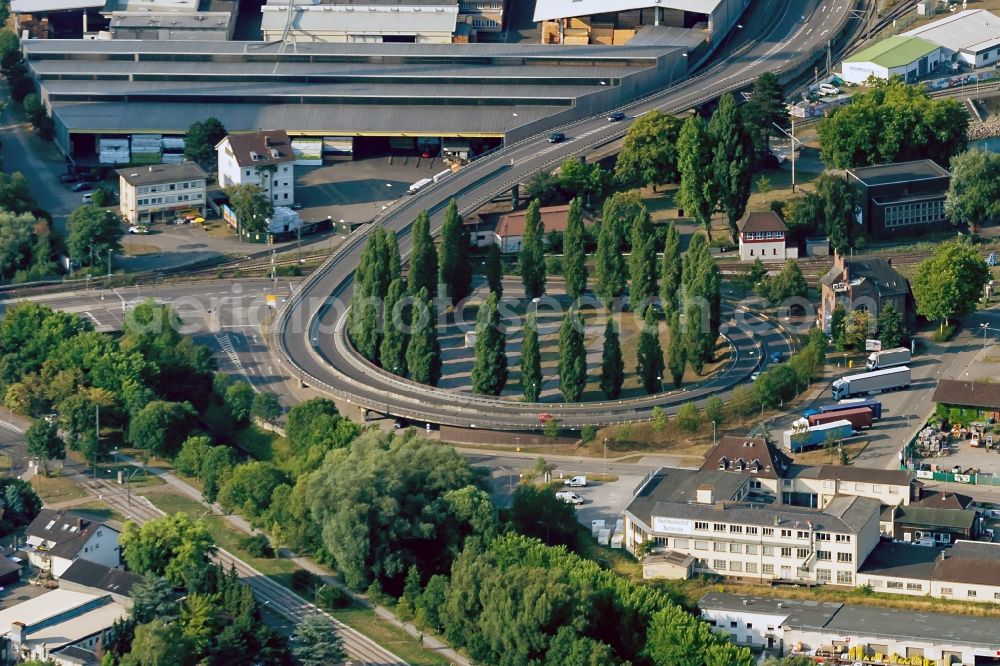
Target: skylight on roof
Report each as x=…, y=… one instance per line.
x=51, y=523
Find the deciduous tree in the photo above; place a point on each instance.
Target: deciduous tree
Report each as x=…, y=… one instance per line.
x=44, y=442
x=951, y=281
x=423, y=353
x=642, y=262
x=252, y=207
x=93, y=227
x=766, y=108
x=609, y=268
x=891, y=330
x=676, y=352
x=974, y=193
x=494, y=269
x=160, y=427
x=173, y=546
x=239, y=400
x=649, y=153
x=670, y=272
x=266, y=407
x=200, y=142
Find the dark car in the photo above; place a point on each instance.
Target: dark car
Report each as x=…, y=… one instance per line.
x=68, y=178
x=82, y=187
x=88, y=177
x=777, y=357
x=558, y=137
x=296, y=206
x=616, y=116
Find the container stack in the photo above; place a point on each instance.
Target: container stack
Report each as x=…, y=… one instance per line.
x=113, y=151
x=173, y=149
x=147, y=148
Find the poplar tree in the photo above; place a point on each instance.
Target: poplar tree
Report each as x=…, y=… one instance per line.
x=670, y=272
x=489, y=372
x=676, y=356
x=494, y=269
x=642, y=261
x=612, y=364
x=423, y=354
x=731, y=161
x=455, y=272
x=572, y=357
x=574, y=255
x=531, y=361
x=393, y=349
x=694, y=158
x=609, y=268
x=423, y=258
x=697, y=342
x=392, y=252
x=649, y=355
x=532, y=252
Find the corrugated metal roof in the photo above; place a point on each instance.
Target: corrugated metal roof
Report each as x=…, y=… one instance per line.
x=546, y=10
x=345, y=120
x=37, y=6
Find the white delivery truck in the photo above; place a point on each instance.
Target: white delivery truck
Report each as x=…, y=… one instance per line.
x=879, y=381
x=889, y=358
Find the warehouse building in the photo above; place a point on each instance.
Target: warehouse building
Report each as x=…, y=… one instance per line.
x=908, y=57
x=367, y=93
x=901, y=198
x=360, y=21
x=970, y=37
x=619, y=21
x=880, y=635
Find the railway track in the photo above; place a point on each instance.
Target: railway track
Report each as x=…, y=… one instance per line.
x=272, y=595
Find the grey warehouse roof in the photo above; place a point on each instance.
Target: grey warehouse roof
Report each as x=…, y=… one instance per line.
x=798, y=612
x=971, y=30
x=121, y=86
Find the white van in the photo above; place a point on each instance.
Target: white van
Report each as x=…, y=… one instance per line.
x=576, y=482
x=828, y=89
x=569, y=497
x=88, y=197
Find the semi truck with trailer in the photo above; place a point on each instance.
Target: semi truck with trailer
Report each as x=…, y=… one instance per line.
x=803, y=438
x=879, y=381
x=874, y=405
x=890, y=358
x=860, y=417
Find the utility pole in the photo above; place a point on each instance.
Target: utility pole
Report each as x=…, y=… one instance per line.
x=110, y=250
x=97, y=435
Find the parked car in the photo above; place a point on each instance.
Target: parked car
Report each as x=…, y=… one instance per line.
x=545, y=417
x=82, y=186
x=616, y=116
x=88, y=177
x=576, y=482
x=754, y=376
x=777, y=357
x=88, y=198
x=138, y=229
x=296, y=206
x=69, y=178
x=569, y=497
x=557, y=137
x=828, y=89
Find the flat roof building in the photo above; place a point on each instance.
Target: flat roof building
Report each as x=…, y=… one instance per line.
x=484, y=92
x=793, y=626
x=902, y=198
x=971, y=37
x=975, y=399
x=706, y=514
x=364, y=21
x=908, y=57
x=160, y=191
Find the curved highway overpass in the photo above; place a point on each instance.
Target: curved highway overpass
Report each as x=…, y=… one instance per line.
x=309, y=329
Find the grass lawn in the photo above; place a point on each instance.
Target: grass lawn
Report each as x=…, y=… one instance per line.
x=139, y=249
x=54, y=489
x=388, y=636
x=225, y=535
x=98, y=510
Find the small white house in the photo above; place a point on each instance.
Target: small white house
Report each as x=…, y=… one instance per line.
x=56, y=538
x=762, y=236
x=259, y=158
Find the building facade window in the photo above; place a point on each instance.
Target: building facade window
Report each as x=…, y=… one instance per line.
x=822, y=575
x=845, y=557
x=919, y=212
x=845, y=577
x=701, y=526
x=752, y=568
x=768, y=569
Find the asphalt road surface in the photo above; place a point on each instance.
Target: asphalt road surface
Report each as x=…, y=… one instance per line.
x=309, y=331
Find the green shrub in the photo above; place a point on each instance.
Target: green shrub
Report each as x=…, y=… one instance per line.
x=303, y=580
x=332, y=597
x=258, y=546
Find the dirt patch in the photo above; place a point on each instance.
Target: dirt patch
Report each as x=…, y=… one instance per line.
x=139, y=249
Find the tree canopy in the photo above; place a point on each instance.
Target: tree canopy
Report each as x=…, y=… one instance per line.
x=974, y=191
x=252, y=207
x=951, y=281
x=200, y=142
x=893, y=122
x=93, y=227
x=649, y=153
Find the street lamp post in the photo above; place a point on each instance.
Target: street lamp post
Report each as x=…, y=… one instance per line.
x=110, y=250
x=791, y=136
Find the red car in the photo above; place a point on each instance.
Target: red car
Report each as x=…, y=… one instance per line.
x=545, y=417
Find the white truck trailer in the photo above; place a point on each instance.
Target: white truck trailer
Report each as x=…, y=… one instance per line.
x=890, y=358
x=879, y=381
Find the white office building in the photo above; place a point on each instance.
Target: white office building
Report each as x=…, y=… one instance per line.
x=706, y=515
